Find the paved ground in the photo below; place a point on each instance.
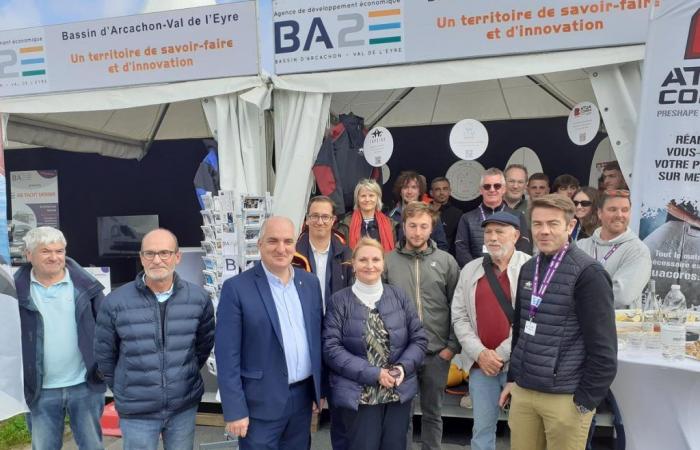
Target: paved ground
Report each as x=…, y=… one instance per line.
x=455, y=436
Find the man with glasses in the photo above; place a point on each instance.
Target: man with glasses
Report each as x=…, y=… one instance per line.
x=153, y=337
x=516, y=180
x=321, y=251
x=58, y=301
x=626, y=258
x=469, y=242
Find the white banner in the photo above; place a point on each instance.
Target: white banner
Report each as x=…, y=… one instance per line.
x=666, y=177
x=187, y=44
x=336, y=34
x=34, y=196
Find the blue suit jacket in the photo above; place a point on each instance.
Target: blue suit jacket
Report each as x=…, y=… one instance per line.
x=251, y=368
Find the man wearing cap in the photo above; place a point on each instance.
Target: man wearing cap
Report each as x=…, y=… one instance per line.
x=469, y=242
x=618, y=249
x=564, y=342
x=482, y=312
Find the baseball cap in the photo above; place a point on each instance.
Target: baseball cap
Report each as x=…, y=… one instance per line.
x=502, y=217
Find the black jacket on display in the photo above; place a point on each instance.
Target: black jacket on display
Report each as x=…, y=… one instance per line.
x=574, y=348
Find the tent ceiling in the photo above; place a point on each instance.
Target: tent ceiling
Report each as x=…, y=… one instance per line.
x=510, y=98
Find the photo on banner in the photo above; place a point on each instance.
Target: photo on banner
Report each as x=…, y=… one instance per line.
x=666, y=176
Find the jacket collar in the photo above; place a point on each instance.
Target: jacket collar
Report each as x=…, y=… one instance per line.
x=82, y=280
x=402, y=250
x=304, y=246
x=141, y=286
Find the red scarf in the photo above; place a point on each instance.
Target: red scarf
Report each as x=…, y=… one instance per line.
x=386, y=236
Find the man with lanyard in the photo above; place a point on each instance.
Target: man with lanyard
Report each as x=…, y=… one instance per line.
x=564, y=345
x=469, y=242
x=482, y=311
x=626, y=258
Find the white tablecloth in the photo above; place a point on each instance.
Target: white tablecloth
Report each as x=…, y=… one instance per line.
x=659, y=401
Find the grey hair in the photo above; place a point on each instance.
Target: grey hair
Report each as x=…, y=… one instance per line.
x=492, y=172
x=263, y=227
x=43, y=236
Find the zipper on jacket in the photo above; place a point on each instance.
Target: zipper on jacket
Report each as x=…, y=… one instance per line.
x=419, y=303
x=161, y=340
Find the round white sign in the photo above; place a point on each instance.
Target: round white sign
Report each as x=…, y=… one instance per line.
x=464, y=179
x=469, y=139
x=378, y=146
x=583, y=123
x=386, y=174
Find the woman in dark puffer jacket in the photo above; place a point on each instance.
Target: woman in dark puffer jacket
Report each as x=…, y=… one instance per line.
x=373, y=343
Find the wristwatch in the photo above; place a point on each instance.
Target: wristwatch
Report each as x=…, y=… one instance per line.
x=582, y=409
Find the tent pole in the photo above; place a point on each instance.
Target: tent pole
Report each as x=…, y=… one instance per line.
x=393, y=105
x=159, y=122
x=567, y=104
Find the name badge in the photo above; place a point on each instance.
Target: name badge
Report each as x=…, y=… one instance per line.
x=485, y=249
x=530, y=327
x=535, y=301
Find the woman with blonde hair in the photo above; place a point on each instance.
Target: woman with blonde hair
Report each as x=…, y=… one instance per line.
x=367, y=218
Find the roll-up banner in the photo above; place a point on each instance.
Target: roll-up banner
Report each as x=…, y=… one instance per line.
x=666, y=176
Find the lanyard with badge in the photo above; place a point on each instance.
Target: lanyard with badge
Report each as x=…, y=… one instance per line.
x=538, y=289
x=607, y=255
x=485, y=249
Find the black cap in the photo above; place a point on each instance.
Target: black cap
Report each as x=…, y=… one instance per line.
x=502, y=217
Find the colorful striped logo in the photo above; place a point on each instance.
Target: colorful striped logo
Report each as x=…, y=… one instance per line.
x=383, y=21
x=32, y=61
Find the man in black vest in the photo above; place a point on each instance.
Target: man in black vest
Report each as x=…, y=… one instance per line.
x=564, y=345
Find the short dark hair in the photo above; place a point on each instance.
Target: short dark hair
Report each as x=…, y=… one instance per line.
x=538, y=176
x=321, y=198
x=564, y=181
x=438, y=180
x=612, y=193
x=406, y=176
x=554, y=201
x=516, y=166
x=416, y=208
x=612, y=165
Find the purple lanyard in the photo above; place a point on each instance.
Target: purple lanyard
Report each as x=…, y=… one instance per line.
x=539, y=290
x=609, y=254
x=483, y=214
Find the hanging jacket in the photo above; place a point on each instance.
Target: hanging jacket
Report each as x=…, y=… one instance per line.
x=206, y=179
x=340, y=163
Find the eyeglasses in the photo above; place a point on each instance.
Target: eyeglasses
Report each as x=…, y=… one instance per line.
x=323, y=218
x=164, y=255
x=496, y=187
x=583, y=203
x=617, y=193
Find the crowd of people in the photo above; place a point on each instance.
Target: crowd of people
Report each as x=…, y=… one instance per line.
x=360, y=313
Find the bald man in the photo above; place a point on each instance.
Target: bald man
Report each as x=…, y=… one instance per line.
x=268, y=346
x=153, y=336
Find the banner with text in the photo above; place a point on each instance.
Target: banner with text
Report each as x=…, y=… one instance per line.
x=338, y=34
x=34, y=197
x=188, y=44
x=666, y=177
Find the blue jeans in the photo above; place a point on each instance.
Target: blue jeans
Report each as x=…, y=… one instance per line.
x=46, y=417
x=484, y=391
x=177, y=431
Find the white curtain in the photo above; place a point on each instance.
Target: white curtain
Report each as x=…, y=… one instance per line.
x=617, y=89
x=237, y=122
x=300, y=121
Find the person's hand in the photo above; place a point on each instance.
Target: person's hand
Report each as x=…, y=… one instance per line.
x=399, y=380
x=316, y=408
x=446, y=354
x=505, y=395
x=489, y=362
x=238, y=427
x=385, y=379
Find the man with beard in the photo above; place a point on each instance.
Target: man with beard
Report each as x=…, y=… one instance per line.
x=153, y=336
x=516, y=179
x=441, y=192
x=482, y=312
x=618, y=249
x=429, y=276
x=470, y=236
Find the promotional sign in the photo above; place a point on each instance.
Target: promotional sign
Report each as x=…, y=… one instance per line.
x=378, y=146
x=583, y=123
x=666, y=177
x=34, y=195
x=469, y=139
x=187, y=44
x=337, y=34
x=11, y=380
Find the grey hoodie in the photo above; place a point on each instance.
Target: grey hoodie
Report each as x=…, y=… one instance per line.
x=429, y=278
x=629, y=266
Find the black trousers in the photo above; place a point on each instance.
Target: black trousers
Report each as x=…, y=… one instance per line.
x=375, y=427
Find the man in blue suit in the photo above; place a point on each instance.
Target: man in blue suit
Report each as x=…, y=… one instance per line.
x=268, y=346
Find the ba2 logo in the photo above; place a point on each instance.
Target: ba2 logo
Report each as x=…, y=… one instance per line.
x=8, y=59
x=288, y=40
